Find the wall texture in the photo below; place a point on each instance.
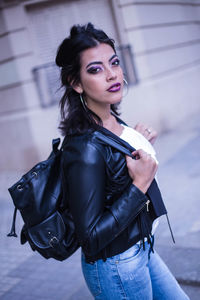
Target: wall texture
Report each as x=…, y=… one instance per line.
x=165, y=36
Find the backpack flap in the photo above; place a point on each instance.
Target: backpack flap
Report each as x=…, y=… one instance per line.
x=48, y=233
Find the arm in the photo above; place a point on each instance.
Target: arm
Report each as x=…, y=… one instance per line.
x=84, y=171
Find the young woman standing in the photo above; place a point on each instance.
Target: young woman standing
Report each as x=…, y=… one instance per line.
x=114, y=199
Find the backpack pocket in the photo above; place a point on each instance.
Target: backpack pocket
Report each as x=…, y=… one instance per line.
x=48, y=233
x=48, y=238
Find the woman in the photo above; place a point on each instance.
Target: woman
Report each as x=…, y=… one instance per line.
x=114, y=199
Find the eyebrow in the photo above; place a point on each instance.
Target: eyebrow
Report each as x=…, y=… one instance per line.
x=99, y=62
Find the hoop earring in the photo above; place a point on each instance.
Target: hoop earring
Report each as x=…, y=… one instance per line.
x=126, y=83
x=82, y=101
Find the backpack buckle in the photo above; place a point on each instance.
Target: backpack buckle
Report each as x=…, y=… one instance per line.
x=53, y=241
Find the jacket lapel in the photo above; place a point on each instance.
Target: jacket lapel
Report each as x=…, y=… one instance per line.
x=109, y=138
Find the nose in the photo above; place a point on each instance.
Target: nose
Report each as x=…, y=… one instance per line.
x=111, y=74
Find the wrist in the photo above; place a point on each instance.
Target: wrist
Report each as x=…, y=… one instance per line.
x=141, y=186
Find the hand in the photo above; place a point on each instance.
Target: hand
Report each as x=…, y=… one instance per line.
x=142, y=169
x=148, y=132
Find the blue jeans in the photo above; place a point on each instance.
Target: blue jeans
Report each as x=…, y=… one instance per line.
x=132, y=275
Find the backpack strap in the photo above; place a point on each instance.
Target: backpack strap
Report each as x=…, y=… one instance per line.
x=114, y=141
x=12, y=231
x=55, y=144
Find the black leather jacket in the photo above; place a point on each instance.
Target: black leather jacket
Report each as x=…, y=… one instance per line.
x=109, y=212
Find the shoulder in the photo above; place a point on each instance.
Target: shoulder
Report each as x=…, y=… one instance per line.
x=83, y=147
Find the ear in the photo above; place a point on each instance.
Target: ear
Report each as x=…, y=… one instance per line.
x=78, y=88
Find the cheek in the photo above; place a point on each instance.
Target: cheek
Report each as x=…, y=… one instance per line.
x=92, y=85
x=120, y=74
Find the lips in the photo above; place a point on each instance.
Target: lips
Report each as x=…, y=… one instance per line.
x=115, y=87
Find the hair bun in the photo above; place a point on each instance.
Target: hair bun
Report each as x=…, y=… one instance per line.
x=78, y=29
x=75, y=30
x=61, y=57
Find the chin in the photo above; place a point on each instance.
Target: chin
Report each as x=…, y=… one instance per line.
x=116, y=100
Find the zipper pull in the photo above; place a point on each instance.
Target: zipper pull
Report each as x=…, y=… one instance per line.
x=147, y=203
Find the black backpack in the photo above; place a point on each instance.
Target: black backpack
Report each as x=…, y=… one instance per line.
x=48, y=224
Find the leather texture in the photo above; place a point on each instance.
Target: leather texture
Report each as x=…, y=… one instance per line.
x=106, y=207
x=48, y=225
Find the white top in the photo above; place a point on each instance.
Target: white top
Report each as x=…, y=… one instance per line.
x=138, y=141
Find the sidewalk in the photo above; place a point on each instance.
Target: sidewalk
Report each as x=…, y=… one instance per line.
x=26, y=275
x=179, y=179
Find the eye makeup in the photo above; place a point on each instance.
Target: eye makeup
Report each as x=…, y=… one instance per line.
x=94, y=69
x=114, y=60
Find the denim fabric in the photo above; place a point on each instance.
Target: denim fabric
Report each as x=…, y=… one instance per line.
x=132, y=275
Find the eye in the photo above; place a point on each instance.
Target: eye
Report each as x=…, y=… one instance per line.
x=94, y=70
x=116, y=62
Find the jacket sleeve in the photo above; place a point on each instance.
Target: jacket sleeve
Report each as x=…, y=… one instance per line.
x=84, y=177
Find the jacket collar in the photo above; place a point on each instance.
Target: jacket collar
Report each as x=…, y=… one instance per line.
x=113, y=139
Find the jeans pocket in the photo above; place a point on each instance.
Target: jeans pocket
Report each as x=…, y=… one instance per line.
x=90, y=272
x=130, y=253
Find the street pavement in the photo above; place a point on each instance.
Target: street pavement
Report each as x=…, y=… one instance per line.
x=25, y=275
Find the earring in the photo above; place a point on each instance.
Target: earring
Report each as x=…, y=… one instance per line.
x=125, y=81
x=82, y=101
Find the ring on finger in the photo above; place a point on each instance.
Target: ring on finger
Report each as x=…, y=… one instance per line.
x=148, y=130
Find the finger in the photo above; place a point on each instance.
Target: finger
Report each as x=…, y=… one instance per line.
x=149, y=132
x=128, y=158
x=134, y=155
x=152, y=140
x=152, y=137
x=140, y=127
x=146, y=133
x=140, y=153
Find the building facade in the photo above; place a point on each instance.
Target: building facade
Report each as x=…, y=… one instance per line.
x=159, y=45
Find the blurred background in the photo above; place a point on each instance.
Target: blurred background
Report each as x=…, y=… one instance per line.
x=159, y=42
x=159, y=46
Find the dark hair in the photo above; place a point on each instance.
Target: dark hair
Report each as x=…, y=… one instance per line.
x=74, y=117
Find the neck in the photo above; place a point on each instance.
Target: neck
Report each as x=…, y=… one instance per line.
x=103, y=111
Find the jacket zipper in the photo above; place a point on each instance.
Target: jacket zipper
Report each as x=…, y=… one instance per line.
x=147, y=204
x=141, y=208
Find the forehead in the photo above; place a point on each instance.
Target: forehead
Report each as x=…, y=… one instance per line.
x=101, y=52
